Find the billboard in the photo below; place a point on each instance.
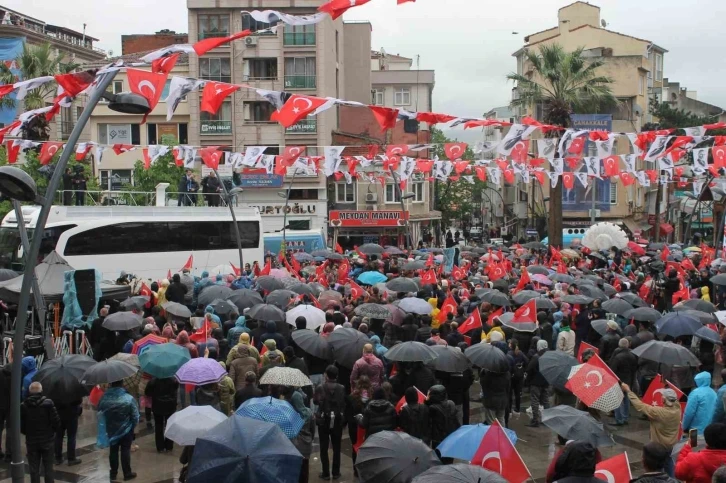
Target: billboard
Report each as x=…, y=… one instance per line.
x=579, y=198
x=367, y=218
x=10, y=49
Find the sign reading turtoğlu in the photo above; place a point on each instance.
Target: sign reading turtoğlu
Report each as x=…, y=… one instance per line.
x=368, y=218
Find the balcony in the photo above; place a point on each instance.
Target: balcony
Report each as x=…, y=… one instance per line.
x=306, y=126
x=216, y=127
x=298, y=38
x=300, y=82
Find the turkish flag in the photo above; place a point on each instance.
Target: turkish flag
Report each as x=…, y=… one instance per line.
x=496, y=272
x=460, y=166
x=430, y=260
x=338, y=248
x=719, y=156
x=296, y=108
x=526, y=313
x=323, y=280
x=494, y=315
x=48, y=151
x=615, y=469
x=508, y=176
x=654, y=395
x=356, y=290
x=590, y=382
x=481, y=173
x=336, y=8
x=402, y=402
x=6, y=89
x=385, y=116
x=627, y=179
x=471, y=323
x=204, y=46
x=458, y=273
x=396, y=150
x=568, y=180
x=148, y=85
x=496, y=453
x=211, y=156
x=147, y=158
x=12, y=151
x=454, y=151
x=424, y=165
x=122, y=148
x=146, y=291
x=428, y=277
x=165, y=64
x=291, y=153
x=687, y=264
x=448, y=307
x=432, y=117
x=168, y=274
x=189, y=265
x=520, y=151
x=611, y=166
x=523, y=281
x=74, y=84
x=617, y=285
x=237, y=270
x=577, y=145
x=583, y=347
x=343, y=271
x=214, y=94
x=664, y=254
x=267, y=267
x=596, y=360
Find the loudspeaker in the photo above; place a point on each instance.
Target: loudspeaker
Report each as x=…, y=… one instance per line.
x=85, y=289
x=34, y=345
x=410, y=126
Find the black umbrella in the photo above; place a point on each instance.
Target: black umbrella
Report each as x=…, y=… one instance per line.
x=7, y=274
x=562, y=277
x=316, y=288
x=544, y=303
x=666, y=353
x=410, y=352
x=106, y=372
x=632, y=299
x=245, y=299
x=524, y=296
x=576, y=425
x=137, y=302
x=703, y=317
x=496, y=298
x=538, y=269
x=122, y=321
x=719, y=279
x=501, y=284
x=321, y=253
x=617, y=306
x=643, y=314
x=709, y=334
x=176, y=309
x=302, y=289
x=266, y=313
x=415, y=265
x=698, y=304
x=269, y=283
x=486, y=356
x=212, y=293
x=61, y=378
x=600, y=326
x=393, y=457
x=347, y=345
x=597, y=256
x=449, y=359
x=555, y=367
x=676, y=324
x=302, y=257
x=458, y=473
x=223, y=307
x=281, y=298
x=371, y=249
x=656, y=246
x=507, y=320
x=401, y=284
x=609, y=289
x=535, y=245
x=593, y=292
x=391, y=250
x=577, y=299
x=373, y=311
x=312, y=343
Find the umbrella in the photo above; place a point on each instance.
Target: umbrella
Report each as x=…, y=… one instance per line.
x=132, y=359
x=281, y=298
x=606, y=399
x=164, y=360
x=213, y=292
x=719, y=279
x=269, y=283
x=594, y=292
x=488, y=357
x=521, y=298
x=609, y=289
x=330, y=295
x=285, y=376
x=703, y=317
x=7, y=274
x=507, y=319
x=535, y=245
x=410, y=352
x=676, y=324
x=223, y=307
x=555, y=367
x=396, y=314
x=632, y=299
x=177, y=310
x=496, y=298
x=463, y=443
x=706, y=333
x=106, y=372
x=316, y=288
x=274, y=411
x=538, y=270
x=393, y=457
x=263, y=455
x=600, y=326
x=373, y=311
x=544, y=303
x=371, y=249
x=458, y=473
x=60, y=378
x=137, y=302
x=347, y=345
x=245, y=299
x=200, y=371
x=371, y=278
x=698, y=304
x=656, y=246
x=502, y=284
x=569, y=253
x=577, y=425
x=267, y=313
x=617, y=306
x=542, y=279
x=314, y=317
x=643, y=314
x=302, y=289
x=391, y=250
x=185, y=426
x=279, y=273
x=449, y=359
x=141, y=345
x=562, y=277
x=415, y=265
x=321, y=253
x=577, y=299
x=666, y=353
x=415, y=305
x=401, y=284
x=303, y=257
x=313, y=344
x=122, y=321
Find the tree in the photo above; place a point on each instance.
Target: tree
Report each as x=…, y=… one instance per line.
x=563, y=83
x=668, y=117
x=164, y=170
x=36, y=61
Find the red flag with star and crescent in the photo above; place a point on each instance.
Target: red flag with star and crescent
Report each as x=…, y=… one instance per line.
x=165, y=64
x=214, y=94
x=523, y=281
x=356, y=290
x=336, y=8
x=402, y=402
x=296, y=108
x=428, y=277
x=204, y=46
x=472, y=322
x=448, y=307
x=583, y=347
x=654, y=395
x=497, y=453
x=48, y=151
x=457, y=273
x=615, y=469
x=493, y=315
x=148, y=85
x=595, y=387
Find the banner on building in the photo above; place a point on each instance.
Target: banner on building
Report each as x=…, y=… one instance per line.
x=368, y=218
x=10, y=49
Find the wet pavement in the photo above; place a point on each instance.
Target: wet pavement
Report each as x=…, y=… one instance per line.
x=536, y=445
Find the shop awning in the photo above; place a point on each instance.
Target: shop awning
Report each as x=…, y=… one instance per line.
x=631, y=225
x=666, y=228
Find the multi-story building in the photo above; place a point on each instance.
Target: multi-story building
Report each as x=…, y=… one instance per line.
x=135, y=43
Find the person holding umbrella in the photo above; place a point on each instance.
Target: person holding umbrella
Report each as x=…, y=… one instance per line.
x=163, y=393
x=118, y=416
x=39, y=422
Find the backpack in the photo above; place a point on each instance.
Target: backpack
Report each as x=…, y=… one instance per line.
x=329, y=406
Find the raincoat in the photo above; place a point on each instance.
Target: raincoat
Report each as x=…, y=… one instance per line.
x=210, y=310
x=226, y=393
x=161, y=294
x=434, y=302
x=117, y=415
x=183, y=340
x=377, y=346
x=701, y=404
x=704, y=294
x=368, y=365
x=29, y=369
x=244, y=340
x=272, y=355
x=240, y=327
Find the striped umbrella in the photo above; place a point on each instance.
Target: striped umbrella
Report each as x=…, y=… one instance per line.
x=273, y=411
x=147, y=341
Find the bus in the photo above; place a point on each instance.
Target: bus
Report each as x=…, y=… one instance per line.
x=147, y=242
x=295, y=240
x=569, y=236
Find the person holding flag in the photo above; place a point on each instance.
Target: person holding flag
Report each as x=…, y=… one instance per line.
x=623, y=363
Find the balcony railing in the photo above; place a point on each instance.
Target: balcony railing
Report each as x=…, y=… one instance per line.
x=306, y=126
x=298, y=38
x=300, y=82
x=216, y=127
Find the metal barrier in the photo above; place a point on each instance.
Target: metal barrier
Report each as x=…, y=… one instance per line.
x=82, y=345
x=7, y=350
x=136, y=198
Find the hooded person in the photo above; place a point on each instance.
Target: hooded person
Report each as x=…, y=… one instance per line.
x=368, y=365
x=699, y=467
x=705, y=294
x=273, y=334
x=328, y=329
x=118, y=415
x=240, y=327
x=222, y=344
x=577, y=464
x=39, y=422
x=240, y=362
x=183, y=340
x=168, y=332
x=188, y=281
x=701, y=404
x=273, y=355
x=442, y=415
x=379, y=415
x=244, y=340
x=29, y=369
x=210, y=310
x=226, y=393
x=378, y=348
x=161, y=294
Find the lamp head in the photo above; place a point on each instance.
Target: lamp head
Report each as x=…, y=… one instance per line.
x=128, y=103
x=282, y=194
x=16, y=184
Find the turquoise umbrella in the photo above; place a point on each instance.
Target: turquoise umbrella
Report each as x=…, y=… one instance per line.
x=371, y=278
x=163, y=360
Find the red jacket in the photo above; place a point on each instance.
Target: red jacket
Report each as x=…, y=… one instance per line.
x=698, y=467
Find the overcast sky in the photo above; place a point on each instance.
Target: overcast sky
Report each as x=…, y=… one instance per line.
x=467, y=42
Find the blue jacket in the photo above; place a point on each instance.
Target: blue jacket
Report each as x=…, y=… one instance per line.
x=240, y=327
x=29, y=370
x=719, y=415
x=210, y=310
x=701, y=404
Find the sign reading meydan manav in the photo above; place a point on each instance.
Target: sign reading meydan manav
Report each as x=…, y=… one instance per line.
x=368, y=218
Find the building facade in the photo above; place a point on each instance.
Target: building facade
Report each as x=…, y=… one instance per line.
x=135, y=43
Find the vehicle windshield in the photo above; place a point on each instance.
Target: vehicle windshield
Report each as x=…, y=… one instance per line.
x=11, y=254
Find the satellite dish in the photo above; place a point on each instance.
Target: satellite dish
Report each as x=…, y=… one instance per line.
x=637, y=110
x=603, y=23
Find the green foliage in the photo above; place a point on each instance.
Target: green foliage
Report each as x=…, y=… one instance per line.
x=164, y=170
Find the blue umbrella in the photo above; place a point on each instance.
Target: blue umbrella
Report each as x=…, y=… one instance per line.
x=676, y=324
x=463, y=443
x=163, y=360
x=273, y=411
x=243, y=449
x=371, y=278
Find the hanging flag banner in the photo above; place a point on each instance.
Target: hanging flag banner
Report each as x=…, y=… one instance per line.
x=580, y=197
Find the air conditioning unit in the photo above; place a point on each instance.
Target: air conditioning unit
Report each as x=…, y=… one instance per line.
x=251, y=41
x=371, y=198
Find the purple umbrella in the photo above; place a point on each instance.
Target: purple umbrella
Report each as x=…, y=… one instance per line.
x=200, y=371
x=541, y=279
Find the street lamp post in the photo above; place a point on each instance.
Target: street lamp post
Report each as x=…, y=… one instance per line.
x=698, y=199
x=286, y=195
x=237, y=235
x=403, y=196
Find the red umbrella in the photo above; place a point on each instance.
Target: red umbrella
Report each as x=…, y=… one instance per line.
x=636, y=249
x=147, y=341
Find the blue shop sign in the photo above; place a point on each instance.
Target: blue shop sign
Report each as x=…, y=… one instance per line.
x=260, y=180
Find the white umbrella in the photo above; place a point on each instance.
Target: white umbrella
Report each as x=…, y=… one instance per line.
x=285, y=376
x=415, y=306
x=313, y=315
x=224, y=269
x=192, y=422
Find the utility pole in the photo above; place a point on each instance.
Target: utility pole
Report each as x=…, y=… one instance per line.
x=594, y=201
x=656, y=227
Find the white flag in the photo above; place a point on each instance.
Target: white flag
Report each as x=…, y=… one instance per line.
x=605, y=148
x=495, y=174
x=253, y=155
x=483, y=147
x=557, y=166
x=554, y=177
x=22, y=87
x=99, y=154
x=632, y=137
x=179, y=87
x=332, y=159
x=665, y=162
x=273, y=16
x=546, y=148
x=592, y=164
x=172, y=49
x=582, y=177
x=658, y=147
x=629, y=161
x=695, y=131
x=525, y=176
x=517, y=133
x=700, y=160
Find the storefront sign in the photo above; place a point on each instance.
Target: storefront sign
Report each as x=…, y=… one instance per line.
x=224, y=171
x=260, y=180
x=292, y=209
x=368, y=218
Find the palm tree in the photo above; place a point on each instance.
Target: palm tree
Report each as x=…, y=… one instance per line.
x=36, y=61
x=563, y=83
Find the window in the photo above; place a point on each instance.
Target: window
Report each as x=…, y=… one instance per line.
x=118, y=134
x=377, y=98
x=215, y=69
x=418, y=191
x=300, y=72
x=402, y=96
x=265, y=69
x=659, y=67
x=613, y=193
x=258, y=112
x=248, y=23
x=220, y=123
x=304, y=194
x=641, y=85
x=164, y=133
x=392, y=195
x=298, y=35
x=66, y=122
x=115, y=179
x=115, y=87
x=213, y=26
x=344, y=193
x=298, y=225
